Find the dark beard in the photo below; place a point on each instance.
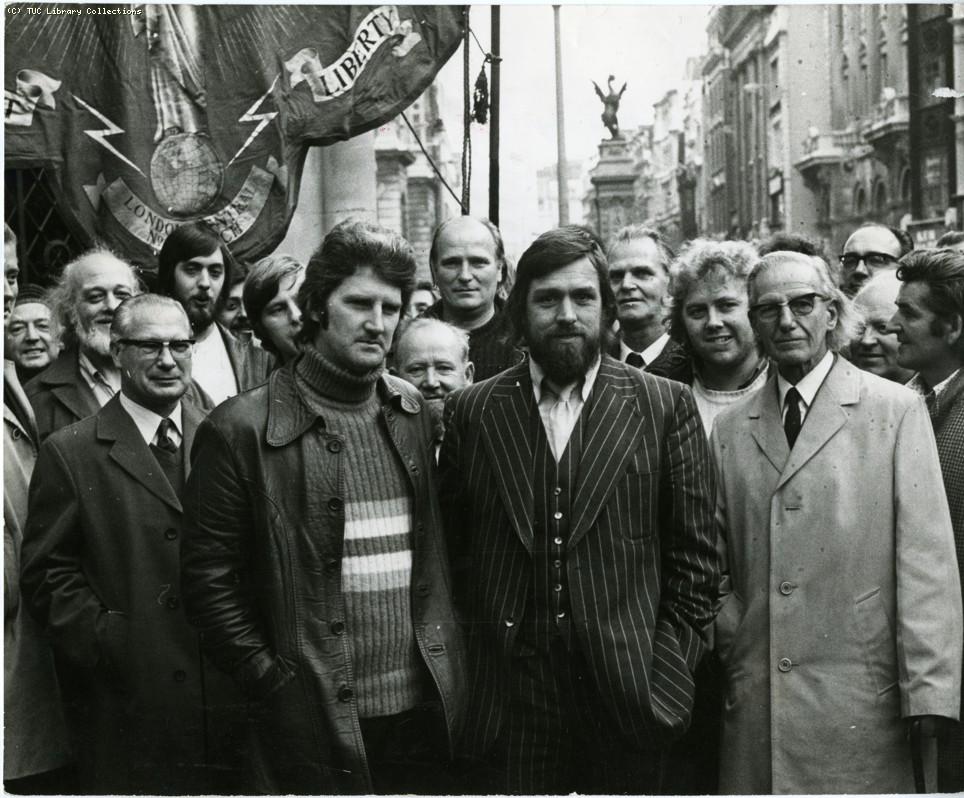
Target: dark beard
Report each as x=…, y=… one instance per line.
x=564, y=363
x=200, y=318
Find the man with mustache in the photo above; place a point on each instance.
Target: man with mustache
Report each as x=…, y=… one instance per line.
x=314, y=563
x=83, y=378
x=578, y=498
x=195, y=268
x=434, y=357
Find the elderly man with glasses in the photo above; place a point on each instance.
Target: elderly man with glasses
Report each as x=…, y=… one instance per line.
x=101, y=572
x=840, y=621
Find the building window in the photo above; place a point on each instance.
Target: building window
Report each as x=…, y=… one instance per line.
x=880, y=199
x=860, y=201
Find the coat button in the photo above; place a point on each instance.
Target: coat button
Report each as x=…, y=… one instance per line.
x=557, y=588
x=414, y=468
x=557, y=541
x=17, y=434
x=337, y=628
x=557, y=490
x=180, y=676
x=390, y=415
x=335, y=504
x=509, y=622
x=170, y=534
x=422, y=589
x=786, y=588
x=345, y=694
x=334, y=446
x=172, y=602
x=785, y=665
x=331, y=565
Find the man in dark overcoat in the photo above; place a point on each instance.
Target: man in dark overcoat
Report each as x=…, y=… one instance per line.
x=101, y=570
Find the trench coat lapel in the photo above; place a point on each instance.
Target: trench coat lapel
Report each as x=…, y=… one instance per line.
x=612, y=433
x=66, y=383
x=825, y=417
x=190, y=419
x=130, y=452
x=11, y=384
x=505, y=431
x=767, y=424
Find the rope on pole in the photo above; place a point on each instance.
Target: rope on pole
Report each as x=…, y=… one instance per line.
x=466, y=120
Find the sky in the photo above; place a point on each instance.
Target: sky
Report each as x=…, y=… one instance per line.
x=644, y=46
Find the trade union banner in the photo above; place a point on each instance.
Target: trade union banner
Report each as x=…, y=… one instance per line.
x=154, y=115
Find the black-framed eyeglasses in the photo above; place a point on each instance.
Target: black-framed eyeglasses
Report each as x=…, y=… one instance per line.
x=802, y=305
x=876, y=260
x=149, y=348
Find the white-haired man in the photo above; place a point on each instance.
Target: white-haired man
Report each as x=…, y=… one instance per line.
x=840, y=623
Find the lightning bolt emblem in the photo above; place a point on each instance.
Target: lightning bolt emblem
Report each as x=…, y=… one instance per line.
x=100, y=136
x=262, y=119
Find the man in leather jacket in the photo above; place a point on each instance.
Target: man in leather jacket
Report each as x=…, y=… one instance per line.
x=314, y=564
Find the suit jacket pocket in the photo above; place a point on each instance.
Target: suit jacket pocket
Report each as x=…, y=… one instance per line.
x=876, y=633
x=113, y=642
x=636, y=502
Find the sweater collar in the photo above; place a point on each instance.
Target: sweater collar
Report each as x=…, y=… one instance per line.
x=320, y=377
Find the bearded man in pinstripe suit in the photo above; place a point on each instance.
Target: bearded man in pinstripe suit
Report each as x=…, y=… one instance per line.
x=578, y=498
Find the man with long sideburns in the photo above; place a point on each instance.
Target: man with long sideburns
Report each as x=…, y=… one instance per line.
x=840, y=624
x=577, y=493
x=314, y=564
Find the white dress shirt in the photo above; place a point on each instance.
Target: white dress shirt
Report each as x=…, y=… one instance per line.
x=807, y=387
x=212, y=368
x=559, y=416
x=148, y=421
x=649, y=354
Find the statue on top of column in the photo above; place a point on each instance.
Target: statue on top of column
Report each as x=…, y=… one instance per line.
x=610, y=106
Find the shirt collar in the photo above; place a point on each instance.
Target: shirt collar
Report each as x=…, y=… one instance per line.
x=94, y=375
x=810, y=383
x=588, y=380
x=918, y=384
x=147, y=421
x=649, y=354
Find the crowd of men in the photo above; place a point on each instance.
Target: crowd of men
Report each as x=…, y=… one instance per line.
x=613, y=520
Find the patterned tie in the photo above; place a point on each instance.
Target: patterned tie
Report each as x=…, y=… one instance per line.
x=792, y=422
x=164, y=440
x=930, y=399
x=635, y=359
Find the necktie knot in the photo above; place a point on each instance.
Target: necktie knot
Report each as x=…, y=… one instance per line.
x=792, y=420
x=636, y=360
x=165, y=440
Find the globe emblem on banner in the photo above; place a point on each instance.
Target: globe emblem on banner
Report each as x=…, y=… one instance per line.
x=186, y=173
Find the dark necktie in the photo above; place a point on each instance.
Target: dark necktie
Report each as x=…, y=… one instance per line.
x=792, y=421
x=635, y=359
x=930, y=399
x=164, y=440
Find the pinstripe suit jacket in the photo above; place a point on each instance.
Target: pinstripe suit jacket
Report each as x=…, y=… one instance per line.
x=640, y=560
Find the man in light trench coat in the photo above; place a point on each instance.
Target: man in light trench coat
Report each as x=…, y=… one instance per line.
x=840, y=621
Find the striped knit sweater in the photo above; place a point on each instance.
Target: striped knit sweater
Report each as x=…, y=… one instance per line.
x=377, y=554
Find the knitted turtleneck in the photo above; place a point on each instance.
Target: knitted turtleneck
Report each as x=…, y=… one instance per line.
x=377, y=549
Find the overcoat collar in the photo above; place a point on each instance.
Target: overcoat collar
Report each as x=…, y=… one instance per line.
x=289, y=416
x=115, y=426
x=612, y=433
x=63, y=379
x=825, y=417
x=11, y=384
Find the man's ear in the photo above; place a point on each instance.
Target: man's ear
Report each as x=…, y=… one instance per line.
x=115, y=354
x=953, y=329
x=469, y=372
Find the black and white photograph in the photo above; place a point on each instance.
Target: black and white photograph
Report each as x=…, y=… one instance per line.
x=516, y=399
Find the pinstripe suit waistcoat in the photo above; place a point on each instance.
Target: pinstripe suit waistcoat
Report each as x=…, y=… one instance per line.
x=640, y=557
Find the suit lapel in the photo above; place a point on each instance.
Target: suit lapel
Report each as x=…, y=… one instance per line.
x=825, y=417
x=767, y=424
x=190, y=419
x=613, y=431
x=11, y=384
x=505, y=432
x=131, y=453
